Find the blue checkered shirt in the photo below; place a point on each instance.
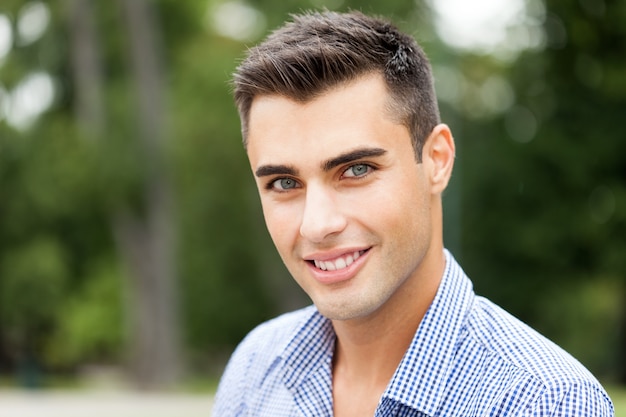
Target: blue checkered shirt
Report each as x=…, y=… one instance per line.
x=468, y=358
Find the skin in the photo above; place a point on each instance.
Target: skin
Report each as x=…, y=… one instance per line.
x=341, y=189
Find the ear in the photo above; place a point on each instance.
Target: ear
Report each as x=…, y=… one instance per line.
x=438, y=155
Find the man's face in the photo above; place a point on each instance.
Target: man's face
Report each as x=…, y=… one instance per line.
x=347, y=205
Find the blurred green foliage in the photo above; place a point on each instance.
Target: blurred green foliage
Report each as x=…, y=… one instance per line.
x=544, y=215
x=34, y=280
x=536, y=210
x=90, y=322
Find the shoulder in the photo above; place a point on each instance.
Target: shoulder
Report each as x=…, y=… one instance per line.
x=562, y=385
x=520, y=345
x=271, y=336
x=265, y=342
x=254, y=357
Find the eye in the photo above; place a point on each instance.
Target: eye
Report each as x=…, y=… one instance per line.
x=357, y=170
x=283, y=184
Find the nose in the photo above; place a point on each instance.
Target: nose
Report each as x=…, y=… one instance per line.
x=322, y=216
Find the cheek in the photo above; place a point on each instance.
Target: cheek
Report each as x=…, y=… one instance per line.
x=281, y=222
x=402, y=213
x=401, y=201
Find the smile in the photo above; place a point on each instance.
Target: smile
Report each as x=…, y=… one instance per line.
x=339, y=263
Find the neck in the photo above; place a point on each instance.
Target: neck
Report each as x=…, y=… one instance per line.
x=372, y=352
x=371, y=348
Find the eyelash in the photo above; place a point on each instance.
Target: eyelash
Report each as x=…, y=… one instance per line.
x=270, y=184
x=370, y=168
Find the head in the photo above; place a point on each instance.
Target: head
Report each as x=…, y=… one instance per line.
x=341, y=131
x=319, y=51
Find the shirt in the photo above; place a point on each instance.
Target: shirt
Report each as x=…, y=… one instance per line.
x=468, y=358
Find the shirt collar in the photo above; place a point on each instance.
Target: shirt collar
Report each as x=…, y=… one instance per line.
x=310, y=348
x=307, y=364
x=420, y=380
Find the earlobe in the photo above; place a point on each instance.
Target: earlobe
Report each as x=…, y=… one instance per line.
x=441, y=152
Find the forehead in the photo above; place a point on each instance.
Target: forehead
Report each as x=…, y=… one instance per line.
x=350, y=116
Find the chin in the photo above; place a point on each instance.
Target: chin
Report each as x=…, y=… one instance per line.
x=345, y=312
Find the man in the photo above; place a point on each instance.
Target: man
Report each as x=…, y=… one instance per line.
x=342, y=131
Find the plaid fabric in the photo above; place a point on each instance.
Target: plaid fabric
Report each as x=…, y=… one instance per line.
x=468, y=358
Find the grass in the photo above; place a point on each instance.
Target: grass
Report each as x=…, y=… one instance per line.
x=618, y=395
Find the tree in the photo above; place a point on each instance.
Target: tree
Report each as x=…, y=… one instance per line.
x=543, y=183
x=144, y=234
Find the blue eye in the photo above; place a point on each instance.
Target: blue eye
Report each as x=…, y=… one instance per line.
x=357, y=170
x=282, y=184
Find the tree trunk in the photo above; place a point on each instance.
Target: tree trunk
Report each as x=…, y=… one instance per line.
x=145, y=241
x=150, y=242
x=87, y=68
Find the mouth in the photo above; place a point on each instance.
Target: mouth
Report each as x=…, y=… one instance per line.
x=338, y=263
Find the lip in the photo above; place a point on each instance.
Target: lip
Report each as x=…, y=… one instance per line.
x=329, y=277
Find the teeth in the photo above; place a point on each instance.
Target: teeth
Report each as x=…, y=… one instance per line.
x=338, y=263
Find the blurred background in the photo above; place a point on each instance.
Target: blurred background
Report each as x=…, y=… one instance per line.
x=132, y=245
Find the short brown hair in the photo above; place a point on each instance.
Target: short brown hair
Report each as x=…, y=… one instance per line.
x=320, y=50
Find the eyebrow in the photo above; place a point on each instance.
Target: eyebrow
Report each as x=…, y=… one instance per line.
x=266, y=170
x=354, y=155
